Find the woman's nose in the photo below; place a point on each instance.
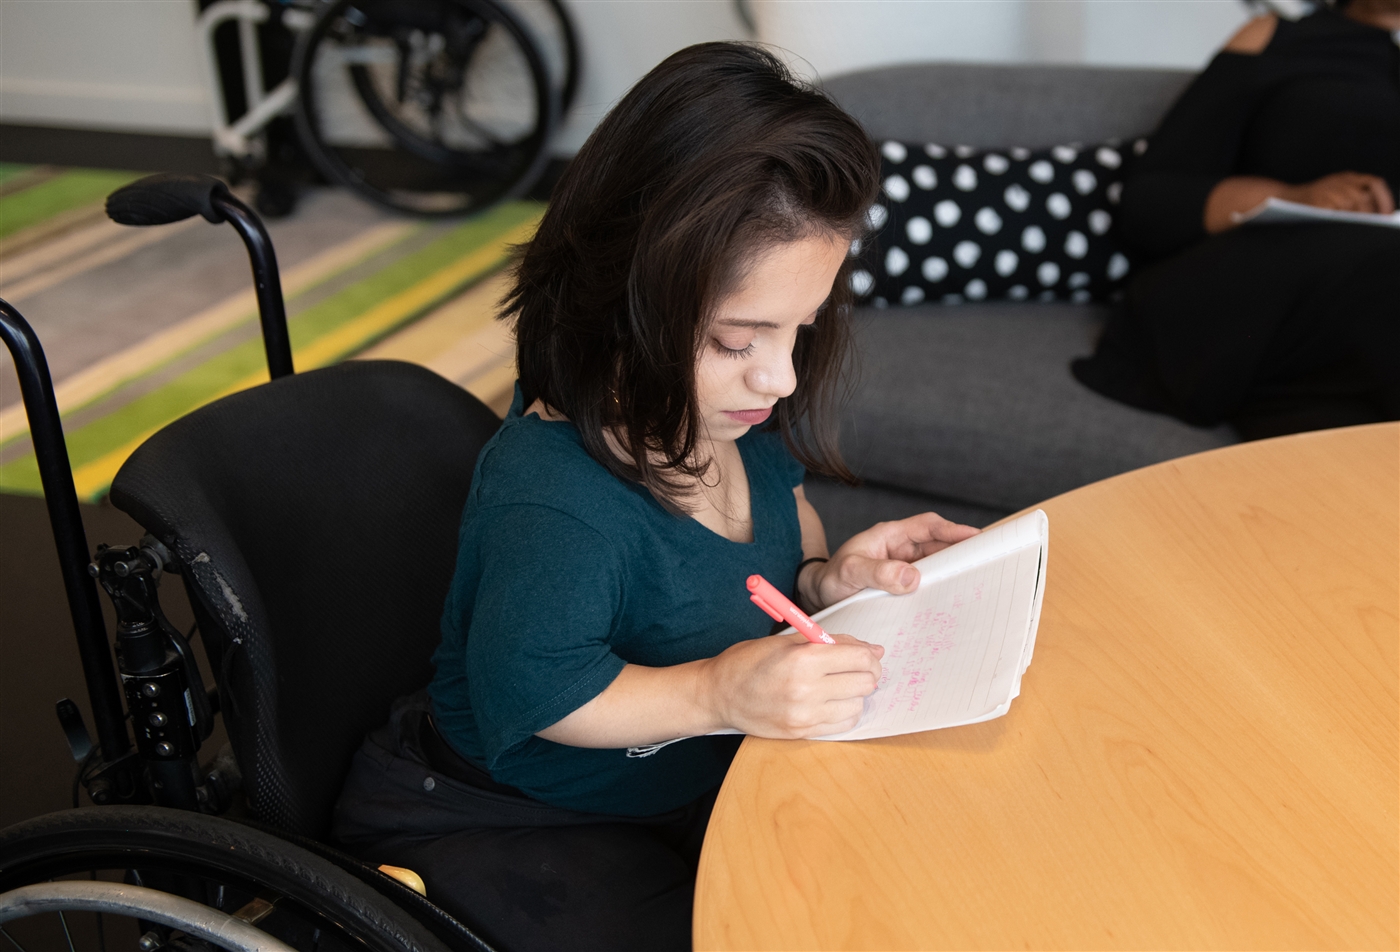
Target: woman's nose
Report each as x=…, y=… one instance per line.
x=775, y=377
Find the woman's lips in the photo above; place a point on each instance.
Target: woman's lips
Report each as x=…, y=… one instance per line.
x=749, y=417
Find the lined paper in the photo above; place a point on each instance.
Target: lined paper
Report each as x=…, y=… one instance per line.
x=956, y=648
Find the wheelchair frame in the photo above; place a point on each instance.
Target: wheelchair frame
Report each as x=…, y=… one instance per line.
x=155, y=672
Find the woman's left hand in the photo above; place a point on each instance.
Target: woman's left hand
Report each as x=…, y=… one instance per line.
x=879, y=558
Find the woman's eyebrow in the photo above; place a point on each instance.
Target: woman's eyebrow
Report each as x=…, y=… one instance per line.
x=737, y=322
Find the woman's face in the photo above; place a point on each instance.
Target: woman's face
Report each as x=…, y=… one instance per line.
x=745, y=363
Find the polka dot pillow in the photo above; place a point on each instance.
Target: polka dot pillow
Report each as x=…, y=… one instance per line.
x=959, y=224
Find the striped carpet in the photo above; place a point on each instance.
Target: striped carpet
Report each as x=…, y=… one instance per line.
x=385, y=288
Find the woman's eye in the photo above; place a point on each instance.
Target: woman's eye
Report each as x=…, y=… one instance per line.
x=734, y=353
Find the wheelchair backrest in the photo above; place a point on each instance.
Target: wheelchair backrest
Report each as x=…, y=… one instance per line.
x=315, y=519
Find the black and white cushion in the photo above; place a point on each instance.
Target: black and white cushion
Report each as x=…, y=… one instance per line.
x=959, y=224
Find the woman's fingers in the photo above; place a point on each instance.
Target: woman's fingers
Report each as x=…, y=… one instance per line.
x=1385, y=201
x=848, y=656
x=877, y=650
x=850, y=685
x=879, y=557
x=906, y=539
x=839, y=716
x=888, y=575
x=918, y=536
x=1349, y=192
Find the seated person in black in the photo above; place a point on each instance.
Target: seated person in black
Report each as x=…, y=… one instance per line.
x=1281, y=328
x=681, y=320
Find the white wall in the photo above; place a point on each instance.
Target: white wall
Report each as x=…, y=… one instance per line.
x=102, y=64
x=622, y=39
x=133, y=65
x=829, y=37
x=838, y=36
x=1156, y=32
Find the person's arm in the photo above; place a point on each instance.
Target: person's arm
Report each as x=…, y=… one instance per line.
x=781, y=686
x=1195, y=147
x=1342, y=191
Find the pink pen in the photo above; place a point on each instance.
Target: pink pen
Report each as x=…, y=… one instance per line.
x=775, y=603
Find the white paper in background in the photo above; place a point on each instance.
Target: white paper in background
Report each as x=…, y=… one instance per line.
x=1276, y=211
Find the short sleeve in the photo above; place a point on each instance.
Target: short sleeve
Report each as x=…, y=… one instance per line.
x=548, y=596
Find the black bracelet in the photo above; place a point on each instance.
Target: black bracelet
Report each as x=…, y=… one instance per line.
x=797, y=591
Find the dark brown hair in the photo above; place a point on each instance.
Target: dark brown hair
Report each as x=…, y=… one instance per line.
x=715, y=153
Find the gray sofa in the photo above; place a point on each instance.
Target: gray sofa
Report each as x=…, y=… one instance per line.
x=970, y=409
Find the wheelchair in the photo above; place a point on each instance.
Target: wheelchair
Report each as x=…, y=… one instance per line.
x=432, y=107
x=312, y=522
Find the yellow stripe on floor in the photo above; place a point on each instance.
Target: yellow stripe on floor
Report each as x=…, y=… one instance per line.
x=14, y=267
x=114, y=250
x=91, y=478
x=464, y=342
x=384, y=317
x=457, y=338
x=108, y=374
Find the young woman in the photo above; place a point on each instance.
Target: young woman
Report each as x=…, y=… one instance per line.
x=681, y=317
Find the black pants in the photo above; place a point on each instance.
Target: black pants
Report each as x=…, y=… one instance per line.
x=1276, y=329
x=524, y=874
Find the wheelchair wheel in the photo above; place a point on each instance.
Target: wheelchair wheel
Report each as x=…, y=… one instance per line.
x=553, y=30
x=186, y=921
x=227, y=869
x=436, y=107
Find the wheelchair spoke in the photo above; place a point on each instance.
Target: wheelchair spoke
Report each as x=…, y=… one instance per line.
x=12, y=940
x=101, y=925
x=66, y=934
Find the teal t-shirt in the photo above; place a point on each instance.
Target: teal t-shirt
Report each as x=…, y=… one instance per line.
x=566, y=573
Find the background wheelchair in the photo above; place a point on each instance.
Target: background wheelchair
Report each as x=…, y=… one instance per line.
x=434, y=107
x=313, y=523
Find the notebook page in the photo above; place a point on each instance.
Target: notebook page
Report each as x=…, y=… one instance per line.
x=1277, y=211
x=953, y=649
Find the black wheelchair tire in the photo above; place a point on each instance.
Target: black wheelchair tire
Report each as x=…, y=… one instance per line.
x=573, y=68
x=213, y=849
x=334, y=167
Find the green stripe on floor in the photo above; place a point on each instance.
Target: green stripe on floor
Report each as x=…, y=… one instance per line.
x=59, y=194
x=9, y=170
x=324, y=333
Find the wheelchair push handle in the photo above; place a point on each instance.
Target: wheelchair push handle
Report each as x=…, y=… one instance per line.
x=166, y=198
x=170, y=197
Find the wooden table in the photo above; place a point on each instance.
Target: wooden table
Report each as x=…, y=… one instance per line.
x=1203, y=755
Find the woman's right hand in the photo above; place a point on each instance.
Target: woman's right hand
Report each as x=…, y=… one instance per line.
x=1346, y=192
x=785, y=687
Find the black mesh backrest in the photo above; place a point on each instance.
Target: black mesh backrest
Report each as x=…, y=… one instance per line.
x=316, y=518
